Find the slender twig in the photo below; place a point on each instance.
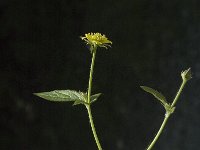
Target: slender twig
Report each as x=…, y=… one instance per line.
x=167, y=115
x=89, y=100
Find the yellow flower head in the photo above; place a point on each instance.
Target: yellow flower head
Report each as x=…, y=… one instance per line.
x=96, y=39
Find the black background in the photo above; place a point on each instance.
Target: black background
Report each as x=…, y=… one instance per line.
x=40, y=50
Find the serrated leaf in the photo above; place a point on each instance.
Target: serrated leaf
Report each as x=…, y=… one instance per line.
x=63, y=96
x=94, y=97
x=156, y=94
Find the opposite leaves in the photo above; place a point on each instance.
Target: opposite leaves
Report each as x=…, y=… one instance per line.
x=156, y=94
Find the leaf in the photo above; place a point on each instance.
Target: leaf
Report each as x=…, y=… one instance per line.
x=63, y=96
x=156, y=94
x=94, y=97
x=77, y=102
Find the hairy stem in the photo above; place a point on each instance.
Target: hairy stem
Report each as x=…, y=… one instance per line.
x=89, y=100
x=167, y=115
x=91, y=74
x=159, y=132
x=93, y=128
x=178, y=93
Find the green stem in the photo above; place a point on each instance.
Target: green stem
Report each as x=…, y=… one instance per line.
x=88, y=100
x=178, y=93
x=167, y=115
x=93, y=128
x=91, y=74
x=159, y=132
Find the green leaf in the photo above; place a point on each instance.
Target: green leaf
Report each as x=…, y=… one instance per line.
x=77, y=102
x=156, y=94
x=63, y=96
x=94, y=97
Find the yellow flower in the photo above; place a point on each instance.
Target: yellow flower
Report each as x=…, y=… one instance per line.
x=96, y=39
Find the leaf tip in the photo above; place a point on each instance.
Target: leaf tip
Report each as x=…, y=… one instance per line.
x=144, y=87
x=36, y=94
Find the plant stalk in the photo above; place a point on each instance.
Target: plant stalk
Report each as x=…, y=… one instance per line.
x=178, y=93
x=159, y=132
x=93, y=128
x=91, y=74
x=167, y=115
x=89, y=100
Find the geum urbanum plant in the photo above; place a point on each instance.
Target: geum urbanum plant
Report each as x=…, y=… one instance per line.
x=93, y=40
x=169, y=108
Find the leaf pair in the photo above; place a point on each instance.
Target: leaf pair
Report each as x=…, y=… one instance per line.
x=67, y=96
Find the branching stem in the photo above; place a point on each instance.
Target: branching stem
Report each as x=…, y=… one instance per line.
x=167, y=115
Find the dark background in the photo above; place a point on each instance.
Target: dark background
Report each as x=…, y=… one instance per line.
x=40, y=50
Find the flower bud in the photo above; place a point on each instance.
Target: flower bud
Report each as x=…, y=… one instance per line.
x=186, y=75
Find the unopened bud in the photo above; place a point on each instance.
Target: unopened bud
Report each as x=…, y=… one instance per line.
x=186, y=75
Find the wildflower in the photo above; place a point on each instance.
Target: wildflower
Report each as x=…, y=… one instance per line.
x=96, y=39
